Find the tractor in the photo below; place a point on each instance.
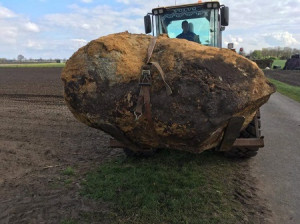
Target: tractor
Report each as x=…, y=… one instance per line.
x=206, y=22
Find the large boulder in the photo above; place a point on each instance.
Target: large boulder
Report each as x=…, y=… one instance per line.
x=209, y=85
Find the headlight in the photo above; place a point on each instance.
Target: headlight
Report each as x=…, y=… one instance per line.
x=160, y=11
x=209, y=5
x=215, y=5
x=155, y=12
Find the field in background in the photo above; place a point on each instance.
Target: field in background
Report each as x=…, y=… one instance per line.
x=33, y=65
x=279, y=63
x=290, y=77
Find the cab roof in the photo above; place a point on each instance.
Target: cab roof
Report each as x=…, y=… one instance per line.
x=185, y=5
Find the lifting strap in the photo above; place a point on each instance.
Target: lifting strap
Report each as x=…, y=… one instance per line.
x=151, y=49
x=162, y=74
x=144, y=95
x=156, y=64
x=145, y=84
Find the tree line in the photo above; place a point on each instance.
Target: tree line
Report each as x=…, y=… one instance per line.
x=21, y=59
x=282, y=53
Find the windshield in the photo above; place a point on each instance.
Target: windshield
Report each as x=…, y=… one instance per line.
x=202, y=24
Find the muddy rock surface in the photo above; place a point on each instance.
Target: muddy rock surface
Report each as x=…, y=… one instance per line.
x=209, y=86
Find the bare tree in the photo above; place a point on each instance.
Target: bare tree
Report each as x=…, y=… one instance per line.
x=265, y=52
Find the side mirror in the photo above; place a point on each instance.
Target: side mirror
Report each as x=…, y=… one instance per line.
x=148, y=24
x=224, y=16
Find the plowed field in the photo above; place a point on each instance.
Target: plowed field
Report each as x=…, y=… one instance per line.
x=291, y=77
x=39, y=139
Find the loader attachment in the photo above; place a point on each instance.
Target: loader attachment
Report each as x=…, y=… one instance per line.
x=233, y=139
x=232, y=132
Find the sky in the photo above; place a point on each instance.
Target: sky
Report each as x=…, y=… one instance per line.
x=57, y=28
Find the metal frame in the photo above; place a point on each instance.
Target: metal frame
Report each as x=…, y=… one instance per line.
x=231, y=133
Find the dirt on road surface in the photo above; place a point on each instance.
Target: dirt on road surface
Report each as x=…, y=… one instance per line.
x=45, y=153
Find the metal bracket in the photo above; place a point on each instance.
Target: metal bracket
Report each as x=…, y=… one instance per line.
x=145, y=79
x=249, y=142
x=137, y=115
x=232, y=132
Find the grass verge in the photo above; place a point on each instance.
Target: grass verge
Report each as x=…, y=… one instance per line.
x=170, y=187
x=33, y=65
x=292, y=92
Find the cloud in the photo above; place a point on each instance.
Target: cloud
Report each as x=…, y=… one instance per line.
x=123, y=1
x=86, y=1
x=17, y=33
x=31, y=27
x=9, y=35
x=77, y=43
x=263, y=23
x=261, y=15
x=36, y=45
x=236, y=40
x=97, y=21
x=280, y=39
x=6, y=13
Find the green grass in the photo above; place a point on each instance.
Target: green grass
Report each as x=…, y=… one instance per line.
x=171, y=187
x=69, y=171
x=292, y=92
x=33, y=65
x=279, y=62
x=69, y=221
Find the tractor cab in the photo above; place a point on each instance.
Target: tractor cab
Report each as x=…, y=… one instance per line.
x=206, y=21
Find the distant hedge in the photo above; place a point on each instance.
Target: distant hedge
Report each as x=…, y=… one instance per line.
x=263, y=63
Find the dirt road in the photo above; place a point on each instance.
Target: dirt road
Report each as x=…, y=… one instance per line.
x=277, y=166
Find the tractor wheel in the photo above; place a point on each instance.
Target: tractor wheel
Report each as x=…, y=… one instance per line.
x=143, y=154
x=252, y=131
